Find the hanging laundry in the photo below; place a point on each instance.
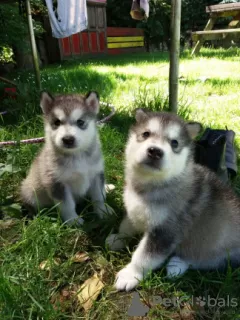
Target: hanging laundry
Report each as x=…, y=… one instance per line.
x=69, y=18
x=140, y=9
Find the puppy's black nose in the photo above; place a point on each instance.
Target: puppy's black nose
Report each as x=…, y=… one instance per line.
x=68, y=141
x=155, y=153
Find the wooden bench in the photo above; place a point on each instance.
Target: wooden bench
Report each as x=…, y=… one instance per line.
x=215, y=12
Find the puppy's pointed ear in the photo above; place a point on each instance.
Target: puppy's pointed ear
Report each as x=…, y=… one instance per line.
x=194, y=128
x=46, y=101
x=92, y=102
x=141, y=115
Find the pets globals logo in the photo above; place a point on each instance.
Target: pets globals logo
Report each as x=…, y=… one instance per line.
x=139, y=309
x=209, y=301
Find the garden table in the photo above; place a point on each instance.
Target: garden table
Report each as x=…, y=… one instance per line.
x=218, y=11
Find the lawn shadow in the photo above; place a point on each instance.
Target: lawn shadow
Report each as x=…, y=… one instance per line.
x=80, y=81
x=27, y=102
x=122, y=60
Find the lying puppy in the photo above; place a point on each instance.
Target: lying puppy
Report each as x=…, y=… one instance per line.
x=70, y=165
x=184, y=211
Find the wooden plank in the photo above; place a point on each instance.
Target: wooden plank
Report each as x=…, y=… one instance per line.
x=85, y=42
x=91, y=17
x=237, y=30
x=100, y=17
x=114, y=32
x=235, y=22
x=81, y=43
x=89, y=41
x=223, y=7
x=71, y=45
x=199, y=43
x=125, y=45
x=76, y=44
x=105, y=30
x=124, y=39
x=93, y=36
x=126, y=50
x=224, y=14
x=216, y=36
x=102, y=41
x=66, y=51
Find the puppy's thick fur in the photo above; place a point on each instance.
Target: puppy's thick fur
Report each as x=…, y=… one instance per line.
x=184, y=211
x=70, y=165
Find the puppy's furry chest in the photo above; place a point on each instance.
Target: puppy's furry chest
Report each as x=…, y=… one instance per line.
x=144, y=214
x=78, y=175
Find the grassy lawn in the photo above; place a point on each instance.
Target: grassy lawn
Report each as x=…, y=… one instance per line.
x=40, y=276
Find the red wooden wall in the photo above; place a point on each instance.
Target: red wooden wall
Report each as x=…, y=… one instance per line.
x=113, y=41
x=83, y=43
x=91, y=41
x=99, y=38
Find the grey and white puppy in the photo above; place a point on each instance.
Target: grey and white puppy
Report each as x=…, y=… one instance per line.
x=70, y=165
x=183, y=210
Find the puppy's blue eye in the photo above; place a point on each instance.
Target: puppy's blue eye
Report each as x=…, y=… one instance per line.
x=146, y=134
x=80, y=123
x=174, y=144
x=57, y=122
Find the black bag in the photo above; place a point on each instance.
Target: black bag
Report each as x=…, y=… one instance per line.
x=215, y=150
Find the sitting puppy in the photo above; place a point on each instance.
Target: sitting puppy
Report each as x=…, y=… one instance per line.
x=70, y=165
x=184, y=211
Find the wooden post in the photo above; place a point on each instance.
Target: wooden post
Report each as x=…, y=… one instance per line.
x=199, y=43
x=174, y=55
x=33, y=44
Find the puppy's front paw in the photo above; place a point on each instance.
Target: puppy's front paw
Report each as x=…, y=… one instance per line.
x=115, y=242
x=79, y=221
x=109, y=187
x=103, y=210
x=176, y=267
x=75, y=222
x=128, y=278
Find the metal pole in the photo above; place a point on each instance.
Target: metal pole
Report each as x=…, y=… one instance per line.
x=33, y=45
x=174, y=55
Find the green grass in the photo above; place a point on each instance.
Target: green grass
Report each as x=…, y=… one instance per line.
x=26, y=291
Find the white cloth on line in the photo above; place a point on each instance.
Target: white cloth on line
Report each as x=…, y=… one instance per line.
x=69, y=18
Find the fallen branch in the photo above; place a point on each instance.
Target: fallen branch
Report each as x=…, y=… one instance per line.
x=8, y=81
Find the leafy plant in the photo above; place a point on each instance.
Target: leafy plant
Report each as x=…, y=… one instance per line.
x=14, y=31
x=194, y=14
x=157, y=26
x=6, y=54
x=118, y=14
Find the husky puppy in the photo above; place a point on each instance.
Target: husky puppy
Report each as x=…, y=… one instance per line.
x=70, y=165
x=184, y=211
